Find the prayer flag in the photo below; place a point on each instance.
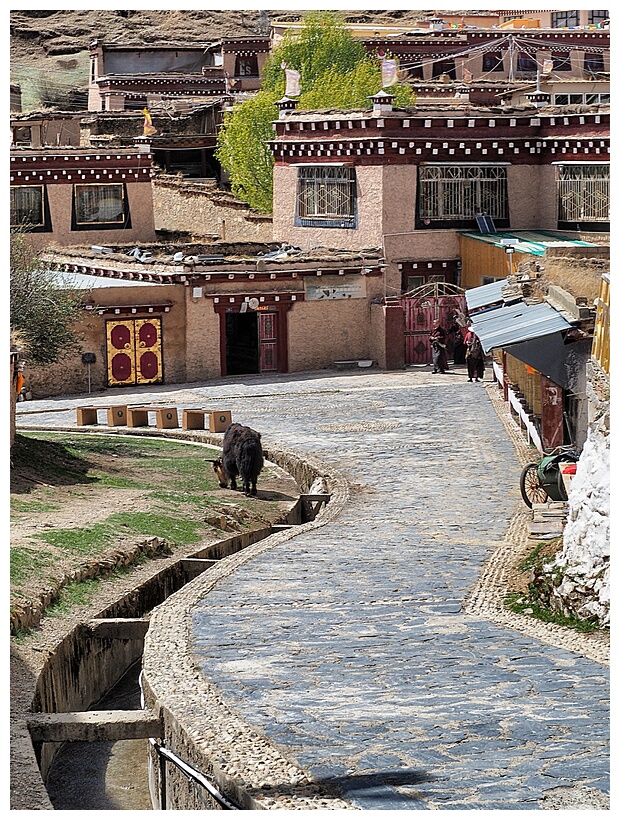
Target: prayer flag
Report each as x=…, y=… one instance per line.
x=467, y=75
x=389, y=72
x=547, y=66
x=292, y=82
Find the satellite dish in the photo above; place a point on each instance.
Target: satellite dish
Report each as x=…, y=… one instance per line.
x=253, y=303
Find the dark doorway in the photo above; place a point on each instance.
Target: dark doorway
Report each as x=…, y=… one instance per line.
x=242, y=350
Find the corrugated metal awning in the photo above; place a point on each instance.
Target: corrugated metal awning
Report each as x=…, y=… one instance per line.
x=510, y=324
x=477, y=298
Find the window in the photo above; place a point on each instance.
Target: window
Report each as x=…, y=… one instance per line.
x=583, y=194
x=493, y=61
x=27, y=206
x=246, y=67
x=444, y=67
x=561, y=62
x=570, y=99
x=456, y=193
x=593, y=62
x=596, y=17
x=100, y=206
x=526, y=63
x=134, y=102
x=22, y=135
x=564, y=19
x=326, y=197
x=595, y=99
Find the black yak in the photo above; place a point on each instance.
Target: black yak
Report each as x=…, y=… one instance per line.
x=242, y=455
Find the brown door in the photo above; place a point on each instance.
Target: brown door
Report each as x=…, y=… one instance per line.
x=268, y=338
x=134, y=352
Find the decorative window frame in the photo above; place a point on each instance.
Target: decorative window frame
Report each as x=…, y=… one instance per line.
x=583, y=195
x=450, y=195
x=310, y=181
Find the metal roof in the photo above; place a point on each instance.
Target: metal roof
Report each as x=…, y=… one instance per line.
x=510, y=324
x=532, y=242
x=484, y=295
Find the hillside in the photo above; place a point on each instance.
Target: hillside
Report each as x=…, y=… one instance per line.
x=49, y=49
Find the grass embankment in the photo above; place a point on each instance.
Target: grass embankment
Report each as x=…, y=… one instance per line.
x=77, y=497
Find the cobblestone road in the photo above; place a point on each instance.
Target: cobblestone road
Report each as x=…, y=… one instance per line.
x=349, y=646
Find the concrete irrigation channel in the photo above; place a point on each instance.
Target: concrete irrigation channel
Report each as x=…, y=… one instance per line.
x=86, y=717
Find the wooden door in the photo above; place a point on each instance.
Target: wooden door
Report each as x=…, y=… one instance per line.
x=134, y=352
x=268, y=340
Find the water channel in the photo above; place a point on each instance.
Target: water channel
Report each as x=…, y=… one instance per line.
x=108, y=774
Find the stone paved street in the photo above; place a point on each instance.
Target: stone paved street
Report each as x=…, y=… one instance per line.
x=349, y=647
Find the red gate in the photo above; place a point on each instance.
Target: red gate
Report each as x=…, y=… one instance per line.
x=435, y=300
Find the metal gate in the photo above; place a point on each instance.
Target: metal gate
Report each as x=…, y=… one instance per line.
x=134, y=351
x=434, y=300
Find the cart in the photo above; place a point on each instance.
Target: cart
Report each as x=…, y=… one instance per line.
x=542, y=481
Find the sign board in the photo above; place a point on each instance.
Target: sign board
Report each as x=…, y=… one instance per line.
x=335, y=287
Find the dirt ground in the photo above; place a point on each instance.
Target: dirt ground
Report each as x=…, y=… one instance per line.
x=50, y=495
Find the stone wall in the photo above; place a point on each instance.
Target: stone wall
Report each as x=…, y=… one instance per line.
x=582, y=568
x=200, y=209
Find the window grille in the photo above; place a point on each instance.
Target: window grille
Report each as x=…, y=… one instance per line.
x=27, y=205
x=99, y=204
x=583, y=193
x=326, y=193
x=564, y=19
x=459, y=192
x=597, y=16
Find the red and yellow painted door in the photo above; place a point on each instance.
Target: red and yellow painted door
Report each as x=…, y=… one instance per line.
x=134, y=351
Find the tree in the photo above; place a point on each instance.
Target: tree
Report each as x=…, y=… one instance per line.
x=335, y=72
x=43, y=313
x=243, y=149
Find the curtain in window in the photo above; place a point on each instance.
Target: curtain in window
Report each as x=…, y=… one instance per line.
x=99, y=203
x=27, y=205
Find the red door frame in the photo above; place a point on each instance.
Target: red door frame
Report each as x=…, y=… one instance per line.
x=280, y=308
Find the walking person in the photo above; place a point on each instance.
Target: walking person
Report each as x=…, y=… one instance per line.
x=474, y=356
x=458, y=343
x=438, y=337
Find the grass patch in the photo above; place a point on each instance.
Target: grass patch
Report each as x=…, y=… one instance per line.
x=527, y=605
x=537, y=601
x=91, y=540
x=31, y=505
x=77, y=593
x=25, y=561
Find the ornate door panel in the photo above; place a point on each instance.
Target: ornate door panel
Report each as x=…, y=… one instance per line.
x=134, y=351
x=148, y=351
x=268, y=338
x=419, y=315
x=437, y=299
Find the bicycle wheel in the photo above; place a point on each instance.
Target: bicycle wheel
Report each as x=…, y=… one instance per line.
x=531, y=489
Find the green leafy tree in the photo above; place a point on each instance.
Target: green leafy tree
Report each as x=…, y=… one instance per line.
x=323, y=44
x=335, y=72
x=243, y=151
x=43, y=314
